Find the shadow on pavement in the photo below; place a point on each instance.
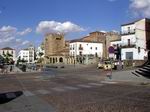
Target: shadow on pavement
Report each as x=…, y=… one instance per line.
x=9, y=96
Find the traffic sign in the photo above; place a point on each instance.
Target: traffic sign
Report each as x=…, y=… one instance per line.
x=111, y=50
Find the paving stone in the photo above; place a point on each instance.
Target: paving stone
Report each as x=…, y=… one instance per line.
x=42, y=91
x=71, y=88
x=109, y=82
x=84, y=86
x=58, y=89
x=28, y=93
x=95, y=84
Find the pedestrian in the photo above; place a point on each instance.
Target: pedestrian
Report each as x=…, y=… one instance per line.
x=109, y=74
x=10, y=68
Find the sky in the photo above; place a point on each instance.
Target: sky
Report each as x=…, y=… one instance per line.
x=23, y=22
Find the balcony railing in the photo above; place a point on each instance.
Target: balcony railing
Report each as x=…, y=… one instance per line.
x=128, y=46
x=80, y=48
x=128, y=32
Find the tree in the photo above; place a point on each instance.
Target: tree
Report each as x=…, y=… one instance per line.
x=40, y=55
x=20, y=61
x=7, y=58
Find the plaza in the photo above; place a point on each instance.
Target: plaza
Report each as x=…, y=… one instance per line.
x=75, y=90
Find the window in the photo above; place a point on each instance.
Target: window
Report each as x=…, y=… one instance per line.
x=80, y=53
x=139, y=49
x=128, y=29
x=80, y=47
x=128, y=42
x=96, y=54
x=58, y=38
x=46, y=39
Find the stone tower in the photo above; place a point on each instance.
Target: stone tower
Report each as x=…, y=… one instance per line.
x=53, y=43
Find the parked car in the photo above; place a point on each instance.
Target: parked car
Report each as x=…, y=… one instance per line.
x=118, y=65
x=106, y=64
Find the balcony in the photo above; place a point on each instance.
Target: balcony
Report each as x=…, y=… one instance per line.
x=131, y=32
x=128, y=46
x=80, y=48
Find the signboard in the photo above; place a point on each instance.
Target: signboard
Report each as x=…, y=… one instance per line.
x=111, y=55
x=111, y=50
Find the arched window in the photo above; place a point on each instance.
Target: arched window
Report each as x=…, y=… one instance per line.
x=60, y=59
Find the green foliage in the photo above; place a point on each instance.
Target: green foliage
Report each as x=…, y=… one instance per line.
x=40, y=60
x=20, y=61
x=7, y=58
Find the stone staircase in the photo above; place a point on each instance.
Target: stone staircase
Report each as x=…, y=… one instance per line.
x=143, y=70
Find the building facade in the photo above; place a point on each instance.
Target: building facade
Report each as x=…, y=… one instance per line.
x=112, y=39
x=27, y=54
x=84, y=51
x=135, y=39
x=8, y=50
x=99, y=37
x=56, y=50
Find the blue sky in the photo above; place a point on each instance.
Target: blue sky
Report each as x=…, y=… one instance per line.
x=91, y=15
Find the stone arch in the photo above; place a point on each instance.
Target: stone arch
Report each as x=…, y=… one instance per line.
x=50, y=60
x=60, y=59
x=53, y=60
x=56, y=60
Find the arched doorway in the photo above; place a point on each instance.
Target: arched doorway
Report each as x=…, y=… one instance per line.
x=53, y=60
x=50, y=60
x=61, y=60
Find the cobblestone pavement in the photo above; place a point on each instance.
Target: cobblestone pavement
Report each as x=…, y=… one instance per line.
x=82, y=90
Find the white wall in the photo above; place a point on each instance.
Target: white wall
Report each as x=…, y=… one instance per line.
x=115, y=43
x=124, y=29
x=136, y=55
x=24, y=54
x=124, y=39
x=140, y=33
x=86, y=48
x=139, y=39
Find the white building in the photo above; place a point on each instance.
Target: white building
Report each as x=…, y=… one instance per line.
x=8, y=50
x=86, y=50
x=134, y=39
x=27, y=54
x=115, y=43
x=24, y=55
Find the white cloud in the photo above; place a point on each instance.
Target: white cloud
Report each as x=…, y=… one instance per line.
x=57, y=27
x=25, y=42
x=25, y=32
x=103, y=31
x=18, y=40
x=9, y=36
x=140, y=7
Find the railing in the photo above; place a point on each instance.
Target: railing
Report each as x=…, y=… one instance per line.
x=128, y=32
x=80, y=48
x=128, y=46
